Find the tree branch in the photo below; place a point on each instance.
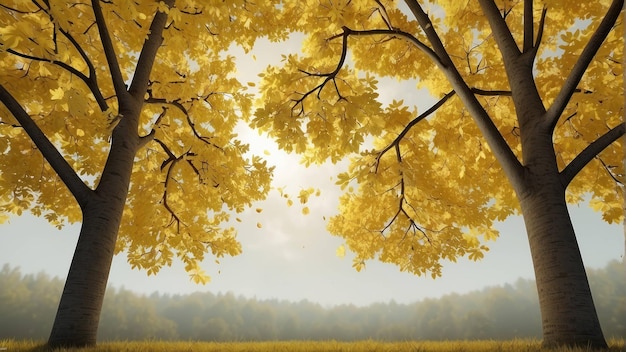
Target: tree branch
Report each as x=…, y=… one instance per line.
x=440, y=57
x=502, y=151
x=173, y=217
x=61, y=64
x=491, y=93
x=382, y=10
x=75, y=184
x=569, y=87
x=531, y=45
x=143, y=140
x=501, y=32
x=518, y=66
x=172, y=160
x=608, y=168
x=529, y=26
x=327, y=76
x=13, y=9
x=394, y=33
x=407, y=128
x=402, y=201
x=542, y=25
x=91, y=81
x=401, y=34
x=139, y=85
x=431, y=110
x=181, y=107
x=592, y=150
x=109, y=50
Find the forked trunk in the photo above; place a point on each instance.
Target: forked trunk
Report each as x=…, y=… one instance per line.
x=568, y=313
x=76, y=321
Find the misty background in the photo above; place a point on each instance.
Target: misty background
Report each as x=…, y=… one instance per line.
x=28, y=304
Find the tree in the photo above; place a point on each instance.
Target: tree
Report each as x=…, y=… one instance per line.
x=536, y=89
x=94, y=92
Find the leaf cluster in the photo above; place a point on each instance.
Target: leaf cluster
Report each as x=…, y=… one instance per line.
x=192, y=172
x=423, y=184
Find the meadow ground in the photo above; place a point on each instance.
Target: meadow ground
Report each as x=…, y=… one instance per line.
x=616, y=345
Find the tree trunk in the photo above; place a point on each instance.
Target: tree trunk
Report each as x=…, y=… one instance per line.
x=78, y=315
x=76, y=322
x=624, y=191
x=568, y=313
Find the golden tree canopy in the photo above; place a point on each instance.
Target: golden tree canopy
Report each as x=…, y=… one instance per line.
x=192, y=174
x=422, y=185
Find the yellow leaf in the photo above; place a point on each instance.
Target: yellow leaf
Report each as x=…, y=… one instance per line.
x=341, y=251
x=305, y=211
x=57, y=94
x=44, y=71
x=200, y=278
x=358, y=264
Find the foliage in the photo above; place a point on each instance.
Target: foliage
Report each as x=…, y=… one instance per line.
x=192, y=172
x=423, y=187
x=27, y=310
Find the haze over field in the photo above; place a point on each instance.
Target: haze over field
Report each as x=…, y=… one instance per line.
x=483, y=314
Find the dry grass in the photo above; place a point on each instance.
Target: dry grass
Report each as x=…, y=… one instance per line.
x=616, y=345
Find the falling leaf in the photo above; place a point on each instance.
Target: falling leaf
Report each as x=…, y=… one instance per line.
x=341, y=251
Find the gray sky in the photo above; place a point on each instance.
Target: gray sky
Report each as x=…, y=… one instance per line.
x=292, y=256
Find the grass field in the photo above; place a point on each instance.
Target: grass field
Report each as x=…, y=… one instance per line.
x=301, y=346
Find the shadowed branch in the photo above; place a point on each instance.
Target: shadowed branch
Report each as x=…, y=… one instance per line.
x=178, y=105
x=74, y=183
x=109, y=50
x=589, y=153
x=490, y=132
x=430, y=111
x=569, y=87
x=91, y=80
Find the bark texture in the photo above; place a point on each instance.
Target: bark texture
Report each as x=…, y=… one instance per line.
x=78, y=315
x=568, y=312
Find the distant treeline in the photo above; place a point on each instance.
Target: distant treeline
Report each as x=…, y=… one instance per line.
x=28, y=304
